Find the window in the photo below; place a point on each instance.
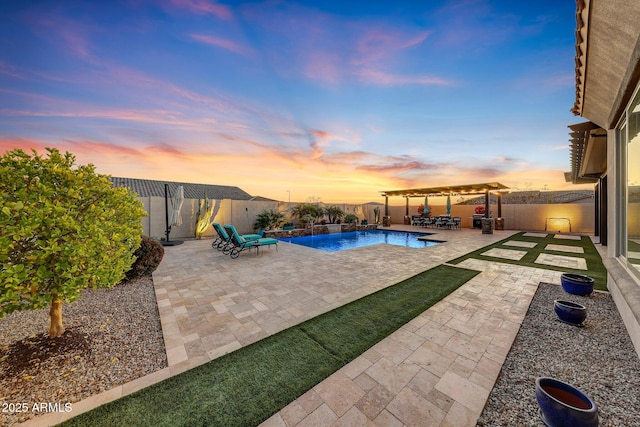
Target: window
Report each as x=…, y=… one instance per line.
x=633, y=185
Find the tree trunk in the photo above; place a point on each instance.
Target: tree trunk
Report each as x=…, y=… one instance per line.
x=56, y=329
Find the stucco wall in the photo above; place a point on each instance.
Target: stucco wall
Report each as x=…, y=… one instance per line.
x=242, y=214
x=534, y=217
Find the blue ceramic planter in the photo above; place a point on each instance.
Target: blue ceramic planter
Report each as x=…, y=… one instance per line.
x=562, y=405
x=570, y=312
x=576, y=284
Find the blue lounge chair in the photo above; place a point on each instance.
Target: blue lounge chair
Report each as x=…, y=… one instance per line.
x=224, y=243
x=240, y=243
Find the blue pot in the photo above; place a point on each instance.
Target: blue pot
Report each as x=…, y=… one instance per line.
x=570, y=312
x=562, y=405
x=577, y=284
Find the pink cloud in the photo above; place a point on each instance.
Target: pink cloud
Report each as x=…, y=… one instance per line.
x=7, y=144
x=203, y=7
x=102, y=148
x=382, y=78
x=378, y=44
x=10, y=70
x=223, y=43
x=72, y=36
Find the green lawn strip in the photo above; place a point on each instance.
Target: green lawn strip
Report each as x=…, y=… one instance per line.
x=376, y=316
x=247, y=386
x=596, y=269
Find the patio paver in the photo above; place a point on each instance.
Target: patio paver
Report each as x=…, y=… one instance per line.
x=532, y=234
x=440, y=366
x=521, y=244
x=565, y=248
x=443, y=376
x=505, y=253
x=567, y=237
x=562, y=261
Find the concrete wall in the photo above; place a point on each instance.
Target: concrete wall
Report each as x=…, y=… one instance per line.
x=237, y=212
x=555, y=217
x=242, y=214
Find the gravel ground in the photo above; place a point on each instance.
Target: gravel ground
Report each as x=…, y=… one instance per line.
x=597, y=358
x=112, y=336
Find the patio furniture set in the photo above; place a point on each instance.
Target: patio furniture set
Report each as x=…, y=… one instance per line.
x=231, y=243
x=440, y=221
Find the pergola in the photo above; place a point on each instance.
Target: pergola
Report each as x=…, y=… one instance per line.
x=457, y=190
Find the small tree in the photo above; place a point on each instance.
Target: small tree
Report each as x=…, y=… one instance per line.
x=334, y=213
x=63, y=228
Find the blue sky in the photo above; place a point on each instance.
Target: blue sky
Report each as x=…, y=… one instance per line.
x=337, y=100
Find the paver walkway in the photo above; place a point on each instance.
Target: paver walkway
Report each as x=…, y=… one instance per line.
x=436, y=370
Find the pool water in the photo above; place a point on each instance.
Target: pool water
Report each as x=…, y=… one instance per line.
x=355, y=239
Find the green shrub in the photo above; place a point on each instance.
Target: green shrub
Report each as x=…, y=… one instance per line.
x=350, y=218
x=148, y=257
x=268, y=220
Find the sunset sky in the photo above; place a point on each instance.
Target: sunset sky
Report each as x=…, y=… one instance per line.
x=332, y=99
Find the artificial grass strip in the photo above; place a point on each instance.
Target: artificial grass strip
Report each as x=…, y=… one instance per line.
x=342, y=331
x=247, y=386
x=595, y=267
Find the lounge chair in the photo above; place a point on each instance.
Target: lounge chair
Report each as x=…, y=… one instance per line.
x=240, y=243
x=224, y=242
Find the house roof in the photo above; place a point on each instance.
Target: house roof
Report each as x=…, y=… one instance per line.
x=152, y=188
x=607, y=52
x=588, y=149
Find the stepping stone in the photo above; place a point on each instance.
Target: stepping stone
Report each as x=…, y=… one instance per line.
x=505, y=253
x=520, y=244
x=542, y=235
x=567, y=237
x=565, y=248
x=562, y=261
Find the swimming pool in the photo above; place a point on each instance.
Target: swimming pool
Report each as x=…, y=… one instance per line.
x=355, y=239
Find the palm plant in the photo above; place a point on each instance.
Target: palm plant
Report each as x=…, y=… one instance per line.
x=308, y=209
x=334, y=213
x=267, y=220
x=350, y=218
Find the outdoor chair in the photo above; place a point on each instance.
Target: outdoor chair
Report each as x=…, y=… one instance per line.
x=240, y=243
x=457, y=223
x=224, y=242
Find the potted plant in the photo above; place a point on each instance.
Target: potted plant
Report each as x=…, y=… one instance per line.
x=562, y=404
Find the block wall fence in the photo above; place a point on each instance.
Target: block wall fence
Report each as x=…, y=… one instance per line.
x=242, y=214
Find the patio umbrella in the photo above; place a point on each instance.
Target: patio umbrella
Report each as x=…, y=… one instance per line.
x=426, y=204
x=176, y=205
x=449, y=204
x=176, y=219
